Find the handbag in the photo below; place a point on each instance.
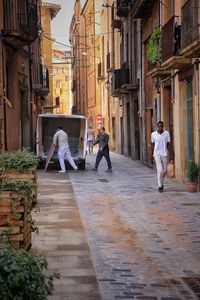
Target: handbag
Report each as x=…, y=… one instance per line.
x=171, y=169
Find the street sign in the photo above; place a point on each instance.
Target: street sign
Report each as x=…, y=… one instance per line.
x=99, y=118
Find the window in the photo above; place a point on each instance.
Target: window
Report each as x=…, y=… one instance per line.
x=58, y=84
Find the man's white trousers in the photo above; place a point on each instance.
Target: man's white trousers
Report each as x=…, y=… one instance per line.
x=161, y=165
x=63, y=153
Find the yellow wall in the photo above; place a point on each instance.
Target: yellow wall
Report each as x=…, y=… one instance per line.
x=48, y=12
x=61, y=87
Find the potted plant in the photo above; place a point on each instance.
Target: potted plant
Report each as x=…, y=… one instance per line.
x=22, y=275
x=154, y=46
x=15, y=211
x=19, y=165
x=193, y=176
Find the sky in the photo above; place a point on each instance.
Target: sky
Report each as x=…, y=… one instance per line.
x=61, y=23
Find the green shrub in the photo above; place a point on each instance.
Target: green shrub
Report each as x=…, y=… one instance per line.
x=192, y=171
x=25, y=189
x=22, y=275
x=154, y=46
x=19, y=160
x=21, y=187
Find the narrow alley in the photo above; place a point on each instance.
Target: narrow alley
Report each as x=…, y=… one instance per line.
x=143, y=245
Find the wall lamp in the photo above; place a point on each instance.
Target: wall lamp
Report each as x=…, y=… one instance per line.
x=108, y=84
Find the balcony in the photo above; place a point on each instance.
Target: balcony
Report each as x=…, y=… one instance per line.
x=115, y=83
x=20, y=23
x=109, y=60
x=142, y=8
x=171, y=45
x=190, y=35
x=99, y=72
x=40, y=79
x=130, y=77
x=122, y=8
x=120, y=79
x=74, y=85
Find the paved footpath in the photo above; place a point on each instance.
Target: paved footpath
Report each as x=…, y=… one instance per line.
x=62, y=239
x=144, y=245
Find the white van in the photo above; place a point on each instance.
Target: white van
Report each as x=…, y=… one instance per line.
x=76, y=128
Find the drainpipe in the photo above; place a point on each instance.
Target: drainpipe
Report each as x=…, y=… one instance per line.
x=142, y=98
x=108, y=48
x=31, y=100
x=4, y=104
x=158, y=96
x=198, y=104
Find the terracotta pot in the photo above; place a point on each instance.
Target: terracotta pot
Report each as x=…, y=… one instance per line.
x=192, y=186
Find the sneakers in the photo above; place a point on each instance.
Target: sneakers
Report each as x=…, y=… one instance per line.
x=95, y=169
x=108, y=170
x=62, y=171
x=160, y=189
x=76, y=170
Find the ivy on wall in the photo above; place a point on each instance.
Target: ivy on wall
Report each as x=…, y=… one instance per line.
x=154, y=46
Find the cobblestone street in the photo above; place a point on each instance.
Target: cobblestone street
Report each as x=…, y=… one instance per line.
x=143, y=245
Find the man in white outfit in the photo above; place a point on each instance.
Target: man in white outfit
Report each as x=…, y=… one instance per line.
x=61, y=138
x=160, y=140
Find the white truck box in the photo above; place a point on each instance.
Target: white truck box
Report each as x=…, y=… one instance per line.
x=76, y=128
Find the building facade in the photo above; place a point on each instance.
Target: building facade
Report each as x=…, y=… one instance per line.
x=170, y=85
x=61, y=81
x=48, y=13
x=141, y=65
x=21, y=83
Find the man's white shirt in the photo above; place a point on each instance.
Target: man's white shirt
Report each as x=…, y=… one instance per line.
x=62, y=138
x=90, y=135
x=160, y=141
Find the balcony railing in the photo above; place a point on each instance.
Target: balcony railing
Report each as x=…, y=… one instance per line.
x=124, y=75
x=44, y=76
x=99, y=72
x=74, y=85
x=116, y=80
x=20, y=22
x=40, y=75
x=108, y=60
x=171, y=39
x=120, y=77
x=122, y=8
x=190, y=20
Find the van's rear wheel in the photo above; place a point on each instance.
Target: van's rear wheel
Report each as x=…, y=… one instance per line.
x=81, y=166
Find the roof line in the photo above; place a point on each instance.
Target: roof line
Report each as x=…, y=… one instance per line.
x=54, y=8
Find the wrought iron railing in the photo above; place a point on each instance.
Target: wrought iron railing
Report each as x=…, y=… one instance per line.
x=100, y=71
x=190, y=22
x=20, y=16
x=171, y=38
x=108, y=60
x=40, y=75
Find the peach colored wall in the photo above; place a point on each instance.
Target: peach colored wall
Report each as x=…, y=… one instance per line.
x=61, y=74
x=47, y=50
